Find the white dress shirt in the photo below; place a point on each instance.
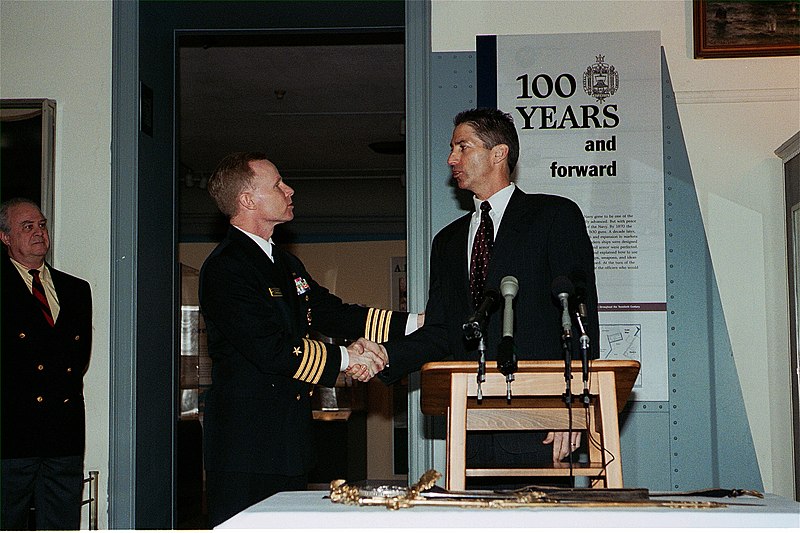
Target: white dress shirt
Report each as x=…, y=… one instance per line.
x=499, y=202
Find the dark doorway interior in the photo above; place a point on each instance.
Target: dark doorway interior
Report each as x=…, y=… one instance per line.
x=146, y=234
x=328, y=109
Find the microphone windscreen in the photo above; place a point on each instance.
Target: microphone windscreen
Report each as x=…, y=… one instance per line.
x=491, y=301
x=562, y=285
x=580, y=282
x=509, y=286
x=491, y=295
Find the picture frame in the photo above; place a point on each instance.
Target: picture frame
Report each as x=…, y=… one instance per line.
x=755, y=28
x=28, y=154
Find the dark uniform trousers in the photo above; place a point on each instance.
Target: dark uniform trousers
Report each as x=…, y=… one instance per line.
x=57, y=487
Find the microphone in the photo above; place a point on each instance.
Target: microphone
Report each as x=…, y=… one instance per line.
x=580, y=281
x=582, y=318
x=562, y=289
x=473, y=327
x=506, y=353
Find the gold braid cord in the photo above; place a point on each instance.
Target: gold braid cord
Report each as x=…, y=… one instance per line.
x=394, y=498
x=391, y=497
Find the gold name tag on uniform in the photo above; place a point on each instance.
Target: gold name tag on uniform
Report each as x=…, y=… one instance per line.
x=275, y=292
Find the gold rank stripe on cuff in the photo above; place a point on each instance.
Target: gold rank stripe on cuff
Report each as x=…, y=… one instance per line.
x=377, y=327
x=315, y=355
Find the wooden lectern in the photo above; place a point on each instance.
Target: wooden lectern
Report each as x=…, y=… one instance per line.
x=450, y=388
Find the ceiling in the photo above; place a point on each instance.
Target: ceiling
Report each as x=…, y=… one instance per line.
x=327, y=109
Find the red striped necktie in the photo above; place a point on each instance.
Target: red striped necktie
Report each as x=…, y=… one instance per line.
x=37, y=289
x=481, y=253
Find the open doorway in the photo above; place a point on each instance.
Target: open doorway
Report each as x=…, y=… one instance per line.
x=145, y=215
x=328, y=108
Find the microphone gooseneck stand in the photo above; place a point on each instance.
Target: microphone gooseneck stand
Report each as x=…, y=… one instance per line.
x=481, y=376
x=563, y=289
x=475, y=329
x=566, y=347
x=506, y=352
x=566, y=339
x=580, y=318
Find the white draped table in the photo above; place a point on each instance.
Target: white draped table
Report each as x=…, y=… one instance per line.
x=312, y=510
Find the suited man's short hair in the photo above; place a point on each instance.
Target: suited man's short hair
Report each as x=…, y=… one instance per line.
x=493, y=127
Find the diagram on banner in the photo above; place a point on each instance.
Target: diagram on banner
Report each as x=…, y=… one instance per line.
x=622, y=341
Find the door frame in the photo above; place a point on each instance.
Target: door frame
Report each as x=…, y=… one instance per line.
x=135, y=487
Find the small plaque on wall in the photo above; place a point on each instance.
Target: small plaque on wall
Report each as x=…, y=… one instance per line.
x=146, y=110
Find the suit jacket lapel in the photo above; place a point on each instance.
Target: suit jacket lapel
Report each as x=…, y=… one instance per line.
x=459, y=256
x=15, y=289
x=509, y=238
x=61, y=293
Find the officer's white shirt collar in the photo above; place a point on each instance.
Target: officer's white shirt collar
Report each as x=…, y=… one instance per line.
x=264, y=244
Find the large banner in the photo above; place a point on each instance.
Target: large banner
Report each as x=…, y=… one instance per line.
x=588, y=113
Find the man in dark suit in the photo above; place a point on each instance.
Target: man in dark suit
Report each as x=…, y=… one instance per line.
x=536, y=238
x=46, y=343
x=259, y=305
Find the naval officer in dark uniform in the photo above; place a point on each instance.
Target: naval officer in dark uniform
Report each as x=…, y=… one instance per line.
x=259, y=304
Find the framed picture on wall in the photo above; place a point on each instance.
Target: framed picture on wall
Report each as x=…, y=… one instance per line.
x=726, y=28
x=27, y=153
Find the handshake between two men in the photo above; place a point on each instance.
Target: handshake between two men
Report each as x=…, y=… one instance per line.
x=367, y=358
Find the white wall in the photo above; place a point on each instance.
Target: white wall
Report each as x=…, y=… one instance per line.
x=62, y=50
x=734, y=114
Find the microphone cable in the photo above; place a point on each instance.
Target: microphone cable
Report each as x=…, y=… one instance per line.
x=604, y=452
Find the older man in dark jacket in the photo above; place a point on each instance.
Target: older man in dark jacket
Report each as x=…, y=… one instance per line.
x=46, y=342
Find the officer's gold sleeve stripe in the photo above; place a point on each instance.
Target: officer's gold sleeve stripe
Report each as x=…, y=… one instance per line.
x=321, y=362
x=369, y=331
x=368, y=324
x=377, y=326
x=301, y=370
x=309, y=352
x=383, y=327
x=313, y=368
x=315, y=355
x=317, y=349
x=308, y=356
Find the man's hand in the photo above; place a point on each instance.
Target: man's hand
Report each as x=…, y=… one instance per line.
x=420, y=320
x=365, y=345
x=564, y=443
x=367, y=358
